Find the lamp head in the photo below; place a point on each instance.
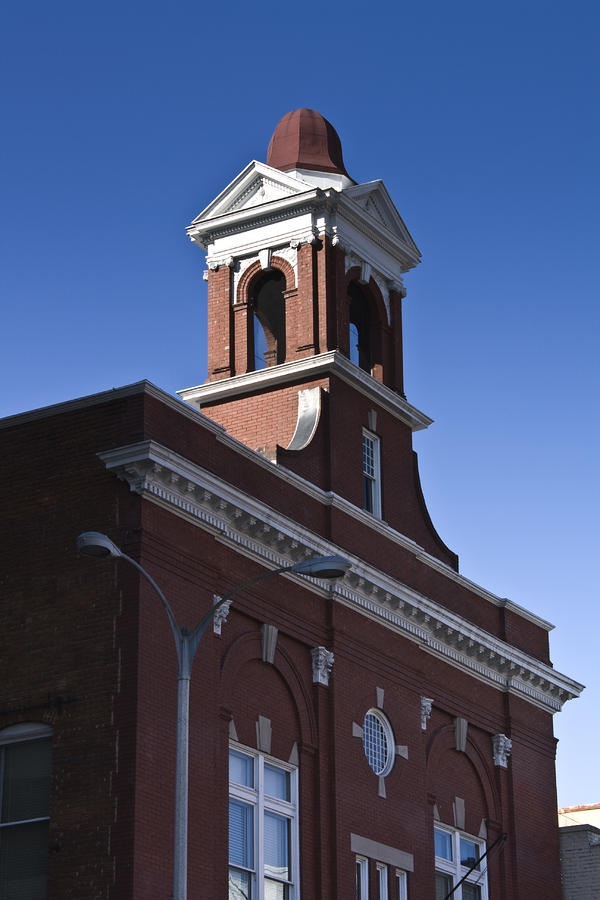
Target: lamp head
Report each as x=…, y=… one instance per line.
x=92, y=543
x=323, y=567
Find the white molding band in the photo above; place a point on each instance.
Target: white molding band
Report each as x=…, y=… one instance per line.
x=272, y=539
x=382, y=853
x=323, y=365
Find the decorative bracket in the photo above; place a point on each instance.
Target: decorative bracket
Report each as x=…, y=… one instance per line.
x=322, y=663
x=501, y=748
x=426, y=705
x=220, y=617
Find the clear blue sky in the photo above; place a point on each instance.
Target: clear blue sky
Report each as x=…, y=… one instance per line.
x=121, y=121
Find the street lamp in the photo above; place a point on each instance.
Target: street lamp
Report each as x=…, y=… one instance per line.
x=92, y=543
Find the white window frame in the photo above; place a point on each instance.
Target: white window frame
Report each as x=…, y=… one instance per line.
x=453, y=867
x=362, y=878
x=371, y=749
x=261, y=803
x=402, y=885
x=22, y=734
x=382, y=881
x=371, y=473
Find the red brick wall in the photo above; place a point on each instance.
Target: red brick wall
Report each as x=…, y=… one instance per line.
x=93, y=633
x=220, y=325
x=59, y=621
x=262, y=420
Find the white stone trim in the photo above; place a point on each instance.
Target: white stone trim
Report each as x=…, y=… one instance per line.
x=501, y=750
x=382, y=852
x=320, y=366
x=426, y=706
x=322, y=663
x=309, y=414
x=269, y=634
x=265, y=257
x=461, y=728
x=367, y=272
x=268, y=537
x=359, y=216
x=220, y=617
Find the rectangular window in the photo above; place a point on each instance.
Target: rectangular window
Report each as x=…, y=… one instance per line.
x=24, y=809
x=371, y=474
x=382, y=882
x=443, y=886
x=263, y=828
x=456, y=856
x=362, y=878
x=402, y=885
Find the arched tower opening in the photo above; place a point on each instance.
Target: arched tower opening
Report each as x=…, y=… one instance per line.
x=266, y=321
x=359, y=317
x=366, y=329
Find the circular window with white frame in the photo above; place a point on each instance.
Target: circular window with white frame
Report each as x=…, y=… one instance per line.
x=378, y=742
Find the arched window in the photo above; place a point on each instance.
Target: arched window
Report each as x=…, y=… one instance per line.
x=266, y=339
x=360, y=328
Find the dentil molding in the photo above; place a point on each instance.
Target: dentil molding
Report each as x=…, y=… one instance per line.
x=272, y=539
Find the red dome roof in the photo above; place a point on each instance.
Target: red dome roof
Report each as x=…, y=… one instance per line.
x=303, y=139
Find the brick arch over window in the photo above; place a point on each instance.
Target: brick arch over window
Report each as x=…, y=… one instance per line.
x=277, y=262
x=467, y=774
x=242, y=666
x=368, y=328
x=262, y=291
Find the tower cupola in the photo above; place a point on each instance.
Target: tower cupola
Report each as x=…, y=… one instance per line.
x=304, y=139
x=305, y=288
x=308, y=147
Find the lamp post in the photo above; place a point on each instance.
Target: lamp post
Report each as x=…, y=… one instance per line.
x=92, y=543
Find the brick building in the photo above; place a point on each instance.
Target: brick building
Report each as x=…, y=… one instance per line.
x=580, y=862
x=579, y=831
x=385, y=735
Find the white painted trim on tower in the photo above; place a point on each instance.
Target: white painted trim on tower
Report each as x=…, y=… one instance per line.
x=320, y=366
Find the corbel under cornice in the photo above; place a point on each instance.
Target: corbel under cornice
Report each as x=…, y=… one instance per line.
x=270, y=538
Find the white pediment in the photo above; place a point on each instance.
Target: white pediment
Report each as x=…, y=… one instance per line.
x=374, y=200
x=255, y=185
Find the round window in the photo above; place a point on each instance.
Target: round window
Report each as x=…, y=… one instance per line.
x=378, y=742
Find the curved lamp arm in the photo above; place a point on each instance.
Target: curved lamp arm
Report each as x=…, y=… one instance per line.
x=95, y=544
x=92, y=543
x=318, y=567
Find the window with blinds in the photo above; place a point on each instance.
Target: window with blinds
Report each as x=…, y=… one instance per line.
x=263, y=827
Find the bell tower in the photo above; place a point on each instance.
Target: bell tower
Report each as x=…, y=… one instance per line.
x=305, y=289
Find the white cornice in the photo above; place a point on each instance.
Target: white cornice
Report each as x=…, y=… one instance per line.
x=206, y=231
x=390, y=534
x=251, y=176
x=262, y=533
x=390, y=241
x=291, y=478
x=320, y=366
x=228, y=227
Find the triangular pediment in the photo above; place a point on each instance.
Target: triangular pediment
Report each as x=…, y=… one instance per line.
x=256, y=185
x=373, y=199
